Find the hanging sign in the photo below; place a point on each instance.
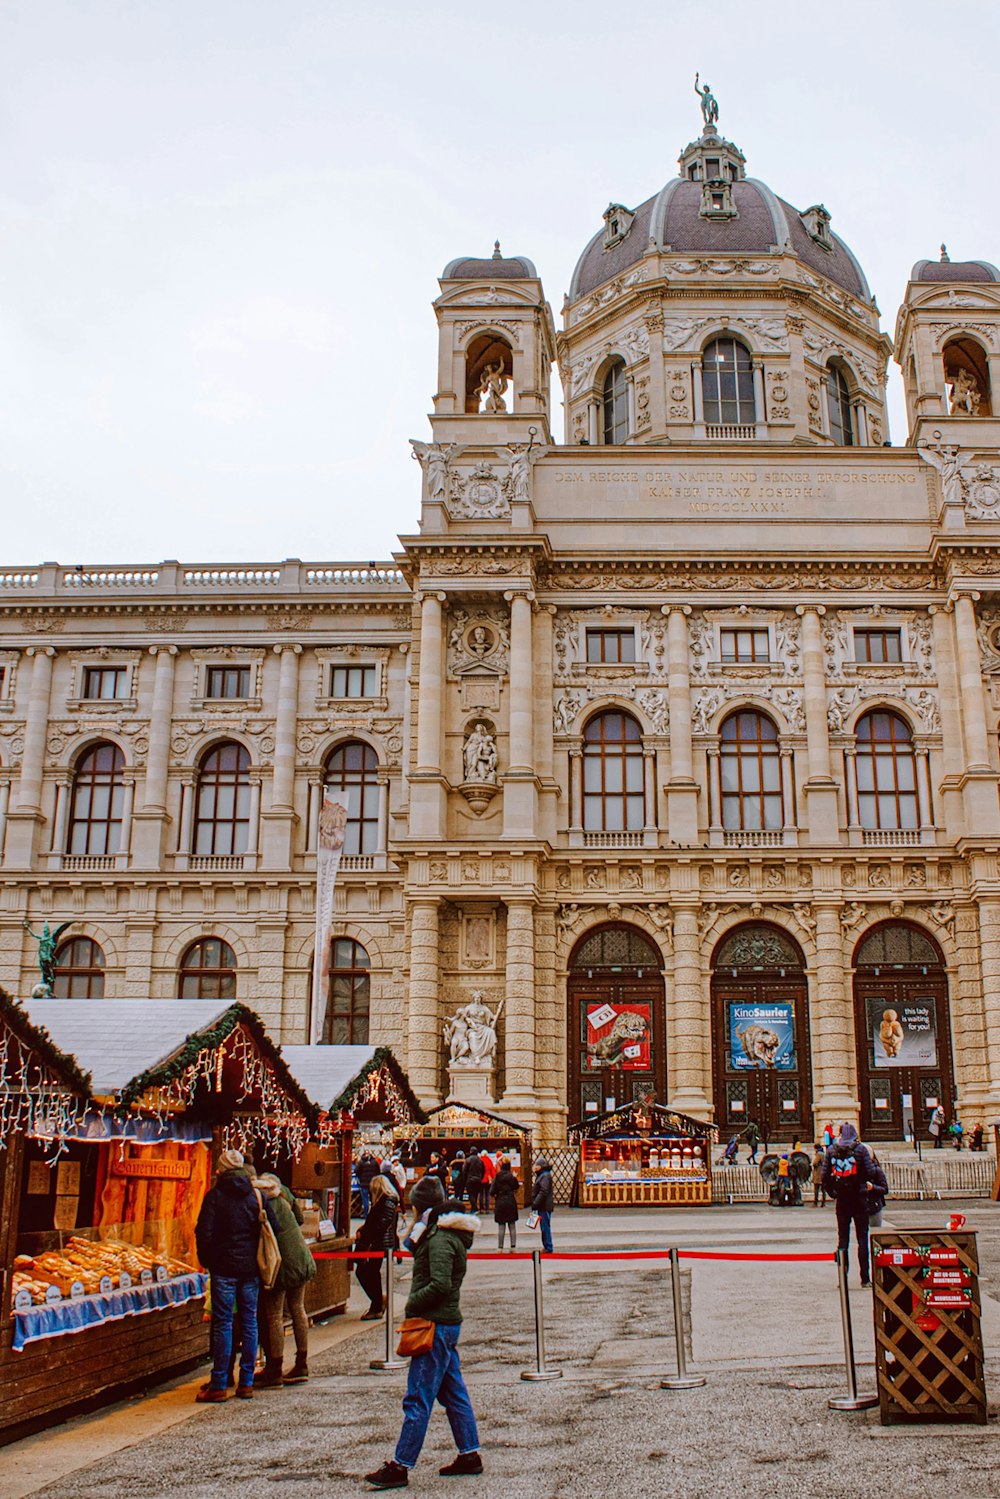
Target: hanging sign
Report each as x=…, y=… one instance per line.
x=174, y=1171
x=761, y=1036
x=333, y=815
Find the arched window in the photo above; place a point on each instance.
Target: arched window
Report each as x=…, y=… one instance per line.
x=838, y=402
x=346, y=1021
x=79, y=970
x=887, y=772
x=353, y=768
x=751, y=773
x=614, y=404
x=222, y=816
x=95, y=818
x=967, y=376
x=727, y=384
x=208, y=970
x=613, y=799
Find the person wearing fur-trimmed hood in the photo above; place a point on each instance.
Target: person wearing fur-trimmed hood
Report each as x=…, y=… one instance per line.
x=440, y=1256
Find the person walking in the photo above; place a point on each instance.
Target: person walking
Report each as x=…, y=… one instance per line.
x=503, y=1193
x=819, y=1191
x=957, y=1133
x=829, y=1135
x=753, y=1141
x=366, y=1167
x=377, y=1233
x=936, y=1126
x=489, y=1172
x=850, y=1174
x=457, y=1175
x=438, y=1167
x=439, y=1263
x=977, y=1140
x=298, y=1268
x=227, y=1234
x=543, y=1202
x=475, y=1172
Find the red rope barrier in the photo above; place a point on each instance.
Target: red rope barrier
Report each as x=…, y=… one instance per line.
x=594, y=1254
x=719, y=1254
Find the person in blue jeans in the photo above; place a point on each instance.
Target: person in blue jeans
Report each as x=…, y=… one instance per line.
x=543, y=1201
x=227, y=1234
x=439, y=1263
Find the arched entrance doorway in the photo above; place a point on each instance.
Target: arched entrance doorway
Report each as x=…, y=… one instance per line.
x=902, y=1031
x=616, y=1026
x=760, y=1032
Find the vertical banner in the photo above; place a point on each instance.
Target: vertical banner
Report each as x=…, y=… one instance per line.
x=329, y=847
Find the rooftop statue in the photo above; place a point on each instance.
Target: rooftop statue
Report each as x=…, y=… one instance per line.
x=709, y=104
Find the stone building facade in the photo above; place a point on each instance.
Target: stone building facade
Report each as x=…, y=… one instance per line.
x=680, y=736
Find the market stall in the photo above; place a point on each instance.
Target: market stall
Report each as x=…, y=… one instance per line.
x=355, y=1088
x=644, y=1154
x=110, y=1111
x=457, y=1126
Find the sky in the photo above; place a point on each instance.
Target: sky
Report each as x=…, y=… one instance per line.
x=222, y=224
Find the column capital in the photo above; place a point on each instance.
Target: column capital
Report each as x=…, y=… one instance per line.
x=684, y=609
x=295, y=650
x=802, y=609
x=40, y=650
x=964, y=592
x=527, y=594
x=164, y=650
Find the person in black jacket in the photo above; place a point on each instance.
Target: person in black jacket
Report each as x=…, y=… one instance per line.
x=227, y=1234
x=473, y=1182
x=378, y=1232
x=851, y=1176
x=503, y=1191
x=367, y=1167
x=543, y=1201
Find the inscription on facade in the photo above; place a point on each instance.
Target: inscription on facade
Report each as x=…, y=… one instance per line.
x=760, y=490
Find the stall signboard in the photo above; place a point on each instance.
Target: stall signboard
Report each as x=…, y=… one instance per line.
x=152, y=1170
x=761, y=1036
x=903, y=1035
x=619, y=1035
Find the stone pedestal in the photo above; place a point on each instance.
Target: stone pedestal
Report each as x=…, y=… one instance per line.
x=472, y=1085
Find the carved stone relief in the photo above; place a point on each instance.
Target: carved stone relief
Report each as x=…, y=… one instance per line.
x=478, y=642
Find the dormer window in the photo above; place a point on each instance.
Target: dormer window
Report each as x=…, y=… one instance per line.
x=717, y=200
x=617, y=223
x=817, y=221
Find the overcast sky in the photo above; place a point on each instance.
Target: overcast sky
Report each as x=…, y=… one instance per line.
x=222, y=223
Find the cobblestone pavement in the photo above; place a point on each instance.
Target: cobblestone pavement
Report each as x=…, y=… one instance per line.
x=767, y=1337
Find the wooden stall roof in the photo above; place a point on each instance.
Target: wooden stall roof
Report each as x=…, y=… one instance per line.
x=34, y=1036
x=449, y=1119
x=333, y=1076
x=624, y=1121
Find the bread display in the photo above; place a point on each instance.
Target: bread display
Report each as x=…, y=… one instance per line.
x=83, y=1263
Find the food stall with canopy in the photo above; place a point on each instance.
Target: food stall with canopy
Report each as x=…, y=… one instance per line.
x=644, y=1154
x=457, y=1126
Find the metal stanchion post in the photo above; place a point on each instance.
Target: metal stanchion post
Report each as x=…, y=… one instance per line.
x=852, y=1401
x=682, y=1380
x=539, y=1371
x=390, y=1364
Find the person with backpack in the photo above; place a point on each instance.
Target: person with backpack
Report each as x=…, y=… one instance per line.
x=367, y=1167
x=457, y=1174
x=543, y=1201
x=475, y=1173
x=850, y=1176
x=377, y=1234
x=298, y=1268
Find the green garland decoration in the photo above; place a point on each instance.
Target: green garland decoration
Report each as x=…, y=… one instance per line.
x=36, y=1038
x=383, y=1058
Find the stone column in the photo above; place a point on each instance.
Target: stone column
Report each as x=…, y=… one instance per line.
x=24, y=821
x=820, y=789
x=789, y=831
x=423, y=1057
x=697, y=396
x=951, y=808
x=926, y=815
x=831, y=1015
x=427, y=796
x=519, y=789
x=519, y=1097
x=982, y=812
x=989, y=937
x=59, y=817
x=851, y=789
x=4, y=804
x=649, y=795
x=186, y=818
x=758, y=398
x=682, y=788
x=689, y=1058
x=715, y=825
x=383, y=814
x=280, y=819
x=128, y=803
x=151, y=818
x=576, y=792
x=253, y=831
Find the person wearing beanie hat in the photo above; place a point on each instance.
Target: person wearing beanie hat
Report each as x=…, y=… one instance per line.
x=442, y=1237
x=543, y=1201
x=855, y=1181
x=227, y=1234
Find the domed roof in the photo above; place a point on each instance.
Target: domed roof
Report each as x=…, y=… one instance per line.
x=496, y=267
x=954, y=270
x=762, y=224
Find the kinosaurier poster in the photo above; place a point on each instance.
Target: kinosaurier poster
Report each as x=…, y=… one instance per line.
x=904, y=1035
x=761, y=1036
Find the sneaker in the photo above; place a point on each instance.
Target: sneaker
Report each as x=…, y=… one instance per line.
x=371, y=1315
x=465, y=1462
x=391, y=1475
x=244, y=1392
x=207, y=1396
x=866, y=1285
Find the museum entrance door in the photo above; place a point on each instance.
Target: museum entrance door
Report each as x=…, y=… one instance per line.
x=902, y=1032
x=760, y=1033
x=616, y=1027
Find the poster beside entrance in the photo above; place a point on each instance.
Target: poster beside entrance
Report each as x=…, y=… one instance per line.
x=619, y=1035
x=761, y=1036
x=903, y=1035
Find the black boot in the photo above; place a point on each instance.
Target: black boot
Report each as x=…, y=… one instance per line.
x=465, y=1462
x=299, y=1372
x=391, y=1475
x=270, y=1379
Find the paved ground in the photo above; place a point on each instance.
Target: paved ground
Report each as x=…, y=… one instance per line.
x=766, y=1336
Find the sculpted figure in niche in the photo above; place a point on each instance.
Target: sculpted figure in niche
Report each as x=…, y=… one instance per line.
x=492, y=384
x=480, y=755
x=709, y=104
x=520, y=469
x=471, y=1033
x=480, y=640
x=434, y=457
x=965, y=393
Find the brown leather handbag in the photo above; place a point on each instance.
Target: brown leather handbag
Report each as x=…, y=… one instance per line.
x=416, y=1336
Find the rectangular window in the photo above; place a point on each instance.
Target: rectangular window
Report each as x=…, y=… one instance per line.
x=878, y=646
x=104, y=683
x=744, y=645
x=227, y=681
x=610, y=646
x=354, y=681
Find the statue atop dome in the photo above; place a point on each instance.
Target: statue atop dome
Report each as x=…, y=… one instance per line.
x=709, y=104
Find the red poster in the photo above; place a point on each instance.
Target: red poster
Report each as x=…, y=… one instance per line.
x=619, y=1035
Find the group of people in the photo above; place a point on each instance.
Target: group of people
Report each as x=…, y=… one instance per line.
x=939, y=1127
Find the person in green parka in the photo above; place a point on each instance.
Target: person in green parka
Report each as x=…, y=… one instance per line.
x=753, y=1140
x=298, y=1268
